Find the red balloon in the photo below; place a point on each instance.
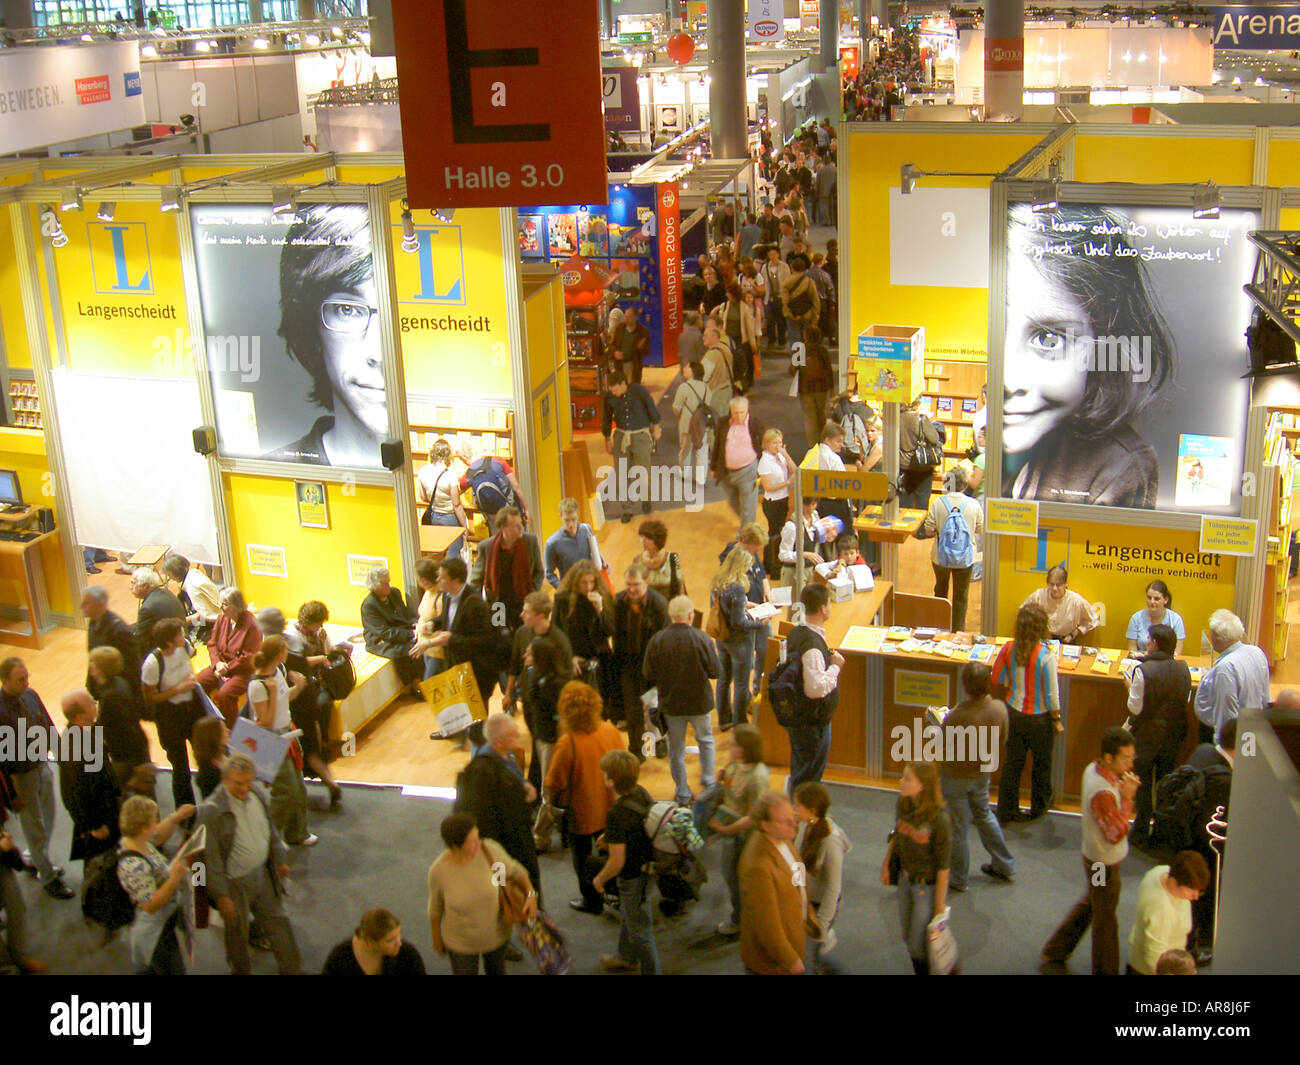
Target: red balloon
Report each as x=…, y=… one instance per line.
x=680, y=48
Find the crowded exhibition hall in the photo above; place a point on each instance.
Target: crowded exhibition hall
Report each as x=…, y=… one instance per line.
x=478, y=495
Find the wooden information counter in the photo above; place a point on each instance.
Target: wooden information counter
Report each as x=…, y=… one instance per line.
x=880, y=692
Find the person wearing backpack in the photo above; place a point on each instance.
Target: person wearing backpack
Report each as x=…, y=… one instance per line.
x=630, y=851
x=693, y=405
x=812, y=673
x=151, y=882
x=1157, y=704
x=955, y=520
x=801, y=304
x=492, y=483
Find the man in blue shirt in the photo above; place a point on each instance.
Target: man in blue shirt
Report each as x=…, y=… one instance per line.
x=573, y=542
x=23, y=719
x=1239, y=677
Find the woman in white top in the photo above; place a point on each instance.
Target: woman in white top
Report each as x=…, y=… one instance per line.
x=270, y=691
x=198, y=593
x=776, y=471
x=171, y=688
x=439, y=490
x=690, y=394
x=428, y=612
x=1069, y=615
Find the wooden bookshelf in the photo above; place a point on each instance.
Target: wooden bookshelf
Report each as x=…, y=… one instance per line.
x=491, y=429
x=25, y=405
x=1283, y=427
x=952, y=396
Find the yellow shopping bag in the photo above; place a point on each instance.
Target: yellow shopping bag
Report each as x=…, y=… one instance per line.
x=454, y=698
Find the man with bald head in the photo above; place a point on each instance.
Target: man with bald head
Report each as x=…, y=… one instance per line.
x=86, y=781
x=492, y=788
x=735, y=459
x=1287, y=699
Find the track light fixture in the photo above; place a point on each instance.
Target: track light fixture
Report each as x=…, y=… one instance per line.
x=282, y=200
x=72, y=200
x=1205, y=200
x=410, y=242
x=52, y=228
x=908, y=178
x=105, y=211
x=171, y=198
x=1047, y=197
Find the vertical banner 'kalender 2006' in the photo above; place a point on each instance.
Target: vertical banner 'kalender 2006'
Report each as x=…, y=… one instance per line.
x=501, y=102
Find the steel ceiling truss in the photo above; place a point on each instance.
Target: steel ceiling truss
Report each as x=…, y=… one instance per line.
x=1276, y=284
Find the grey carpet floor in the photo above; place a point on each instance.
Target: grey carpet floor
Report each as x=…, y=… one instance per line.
x=377, y=851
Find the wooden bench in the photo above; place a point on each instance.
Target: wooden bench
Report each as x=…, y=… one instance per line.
x=377, y=686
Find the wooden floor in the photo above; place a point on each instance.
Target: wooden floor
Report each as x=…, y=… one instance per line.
x=395, y=748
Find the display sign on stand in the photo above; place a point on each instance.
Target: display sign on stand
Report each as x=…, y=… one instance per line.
x=502, y=102
x=889, y=363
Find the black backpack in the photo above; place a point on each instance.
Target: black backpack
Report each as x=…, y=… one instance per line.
x=1179, y=797
x=785, y=694
x=800, y=301
x=104, y=900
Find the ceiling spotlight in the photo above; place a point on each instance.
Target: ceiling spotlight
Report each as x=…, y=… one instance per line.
x=149, y=51
x=282, y=200
x=410, y=242
x=312, y=40
x=52, y=228
x=444, y=214
x=87, y=38
x=105, y=211
x=171, y=198
x=1205, y=200
x=201, y=46
x=72, y=201
x=1046, y=197
x=908, y=179
x=260, y=42
x=336, y=31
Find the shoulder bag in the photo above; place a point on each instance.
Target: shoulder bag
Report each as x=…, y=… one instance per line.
x=512, y=894
x=716, y=626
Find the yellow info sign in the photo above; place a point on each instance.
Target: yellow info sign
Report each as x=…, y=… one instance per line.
x=848, y=484
x=1012, y=517
x=1228, y=536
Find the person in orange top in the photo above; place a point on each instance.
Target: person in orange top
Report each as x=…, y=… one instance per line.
x=575, y=781
x=235, y=639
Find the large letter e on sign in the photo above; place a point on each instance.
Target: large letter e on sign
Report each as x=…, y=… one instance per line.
x=461, y=60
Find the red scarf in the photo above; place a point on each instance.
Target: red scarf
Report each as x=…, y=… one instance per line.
x=521, y=576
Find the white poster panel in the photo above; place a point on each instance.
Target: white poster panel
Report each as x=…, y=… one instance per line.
x=155, y=489
x=50, y=95
x=939, y=237
x=766, y=20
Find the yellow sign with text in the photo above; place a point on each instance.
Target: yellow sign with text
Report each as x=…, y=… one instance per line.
x=121, y=293
x=360, y=565
x=1229, y=536
x=920, y=689
x=1012, y=517
x=1112, y=565
x=451, y=304
x=267, y=561
x=849, y=484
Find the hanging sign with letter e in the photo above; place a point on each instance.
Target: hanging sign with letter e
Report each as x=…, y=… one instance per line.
x=501, y=102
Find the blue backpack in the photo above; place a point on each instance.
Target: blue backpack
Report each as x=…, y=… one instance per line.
x=956, y=548
x=490, y=486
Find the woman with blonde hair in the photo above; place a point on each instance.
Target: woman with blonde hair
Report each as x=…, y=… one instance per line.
x=439, y=490
x=151, y=882
x=729, y=595
x=574, y=781
x=922, y=840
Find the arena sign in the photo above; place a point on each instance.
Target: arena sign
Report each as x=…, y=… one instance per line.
x=1255, y=26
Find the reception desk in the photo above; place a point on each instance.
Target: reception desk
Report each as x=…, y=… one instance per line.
x=881, y=692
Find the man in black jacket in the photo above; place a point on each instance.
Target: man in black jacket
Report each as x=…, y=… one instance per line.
x=465, y=629
x=107, y=629
x=1212, y=759
x=156, y=603
x=492, y=788
x=389, y=625
x=1157, y=706
x=639, y=613
x=681, y=661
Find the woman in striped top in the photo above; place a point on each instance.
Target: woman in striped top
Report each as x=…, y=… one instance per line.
x=1024, y=675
